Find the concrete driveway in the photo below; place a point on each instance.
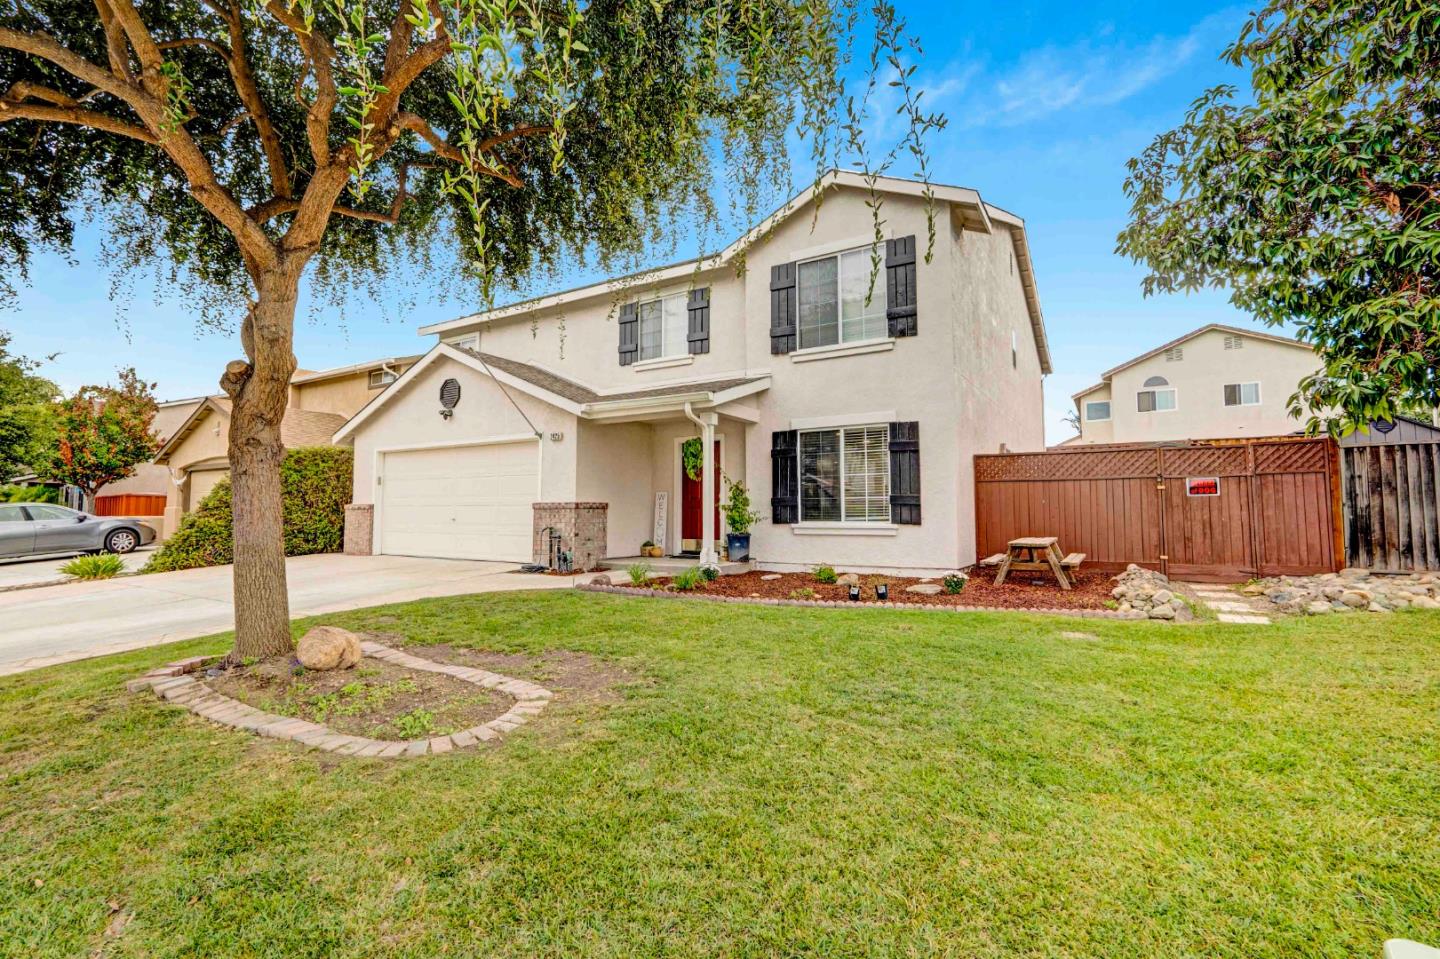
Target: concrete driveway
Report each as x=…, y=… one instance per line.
x=26, y=573
x=56, y=624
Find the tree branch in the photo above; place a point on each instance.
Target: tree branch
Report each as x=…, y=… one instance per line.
x=43, y=46
x=115, y=47
x=215, y=45
x=142, y=43
x=444, y=149
x=320, y=56
x=76, y=116
x=277, y=206
x=249, y=93
x=25, y=90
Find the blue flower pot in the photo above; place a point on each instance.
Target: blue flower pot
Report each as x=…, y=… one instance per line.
x=737, y=547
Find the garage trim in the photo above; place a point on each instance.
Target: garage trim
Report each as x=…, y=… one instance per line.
x=377, y=470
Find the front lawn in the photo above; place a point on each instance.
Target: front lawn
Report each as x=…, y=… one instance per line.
x=750, y=781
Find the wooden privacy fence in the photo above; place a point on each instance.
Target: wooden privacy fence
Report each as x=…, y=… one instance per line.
x=1217, y=510
x=1392, y=498
x=130, y=504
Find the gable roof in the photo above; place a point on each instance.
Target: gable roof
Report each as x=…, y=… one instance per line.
x=297, y=428
x=1208, y=328
x=302, y=377
x=975, y=213
x=560, y=391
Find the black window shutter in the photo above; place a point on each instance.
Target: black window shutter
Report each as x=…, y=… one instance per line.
x=784, y=478
x=905, y=473
x=629, y=333
x=783, y=310
x=699, y=306
x=900, y=280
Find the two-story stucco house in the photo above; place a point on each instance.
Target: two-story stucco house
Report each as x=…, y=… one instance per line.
x=852, y=420
x=1214, y=383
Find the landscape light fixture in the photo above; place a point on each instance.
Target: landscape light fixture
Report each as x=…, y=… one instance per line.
x=855, y=594
x=882, y=592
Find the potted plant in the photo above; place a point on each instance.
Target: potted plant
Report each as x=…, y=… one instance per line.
x=648, y=548
x=739, y=517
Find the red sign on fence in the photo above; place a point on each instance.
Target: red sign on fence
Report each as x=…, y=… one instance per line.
x=1202, y=486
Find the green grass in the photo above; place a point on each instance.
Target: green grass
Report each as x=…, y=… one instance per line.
x=776, y=782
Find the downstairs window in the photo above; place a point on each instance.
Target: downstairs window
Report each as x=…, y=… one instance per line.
x=845, y=475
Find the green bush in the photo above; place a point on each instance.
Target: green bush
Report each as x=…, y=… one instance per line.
x=315, y=484
x=103, y=566
x=639, y=573
x=709, y=573
x=825, y=574
x=955, y=582
x=29, y=494
x=687, y=579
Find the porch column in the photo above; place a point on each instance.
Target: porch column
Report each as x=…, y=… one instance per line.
x=707, y=423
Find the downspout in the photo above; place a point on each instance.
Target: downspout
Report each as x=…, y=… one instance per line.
x=707, y=487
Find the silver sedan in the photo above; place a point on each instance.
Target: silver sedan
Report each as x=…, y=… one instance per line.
x=36, y=529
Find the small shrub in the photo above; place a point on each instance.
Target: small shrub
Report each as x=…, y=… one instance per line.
x=955, y=582
x=414, y=724
x=687, y=579
x=804, y=592
x=102, y=566
x=709, y=573
x=29, y=494
x=825, y=575
x=638, y=573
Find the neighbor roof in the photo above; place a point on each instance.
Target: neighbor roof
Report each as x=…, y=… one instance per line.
x=297, y=428
x=1208, y=328
x=977, y=214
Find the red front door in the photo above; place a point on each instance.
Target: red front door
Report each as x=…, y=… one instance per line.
x=691, y=495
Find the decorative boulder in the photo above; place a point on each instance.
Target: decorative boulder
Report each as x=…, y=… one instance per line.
x=328, y=647
x=924, y=589
x=847, y=579
x=602, y=580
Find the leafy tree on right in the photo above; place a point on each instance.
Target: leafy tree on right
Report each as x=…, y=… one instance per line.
x=1316, y=203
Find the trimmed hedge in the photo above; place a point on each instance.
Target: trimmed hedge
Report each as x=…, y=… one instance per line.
x=315, y=485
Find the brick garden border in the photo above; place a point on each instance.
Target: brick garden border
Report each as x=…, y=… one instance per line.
x=846, y=604
x=175, y=683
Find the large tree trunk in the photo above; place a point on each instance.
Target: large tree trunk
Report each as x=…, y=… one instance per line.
x=260, y=391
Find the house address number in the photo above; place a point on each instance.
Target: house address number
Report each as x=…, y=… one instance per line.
x=1202, y=486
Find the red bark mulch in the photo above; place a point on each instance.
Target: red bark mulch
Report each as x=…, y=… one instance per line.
x=1027, y=591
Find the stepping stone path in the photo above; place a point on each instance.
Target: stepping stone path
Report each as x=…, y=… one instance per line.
x=175, y=683
x=1228, y=605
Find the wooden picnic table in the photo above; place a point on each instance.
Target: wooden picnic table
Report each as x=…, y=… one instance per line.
x=1035, y=554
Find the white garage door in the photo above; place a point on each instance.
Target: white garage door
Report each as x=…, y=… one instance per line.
x=460, y=502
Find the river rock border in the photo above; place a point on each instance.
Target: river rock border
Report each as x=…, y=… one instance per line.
x=844, y=604
x=175, y=683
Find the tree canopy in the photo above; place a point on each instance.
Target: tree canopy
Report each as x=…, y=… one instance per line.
x=103, y=433
x=26, y=426
x=1317, y=202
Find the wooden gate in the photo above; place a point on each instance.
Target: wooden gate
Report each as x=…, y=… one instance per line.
x=130, y=504
x=1219, y=510
x=1391, y=506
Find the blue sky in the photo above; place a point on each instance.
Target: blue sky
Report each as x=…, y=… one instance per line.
x=1046, y=101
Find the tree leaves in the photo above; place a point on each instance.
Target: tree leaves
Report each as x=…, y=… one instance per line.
x=1316, y=204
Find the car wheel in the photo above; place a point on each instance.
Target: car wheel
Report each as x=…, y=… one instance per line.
x=121, y=541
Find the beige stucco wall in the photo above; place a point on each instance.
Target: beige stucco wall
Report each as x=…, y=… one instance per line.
x=1097, y=431
x=343, y=395
x=411, y=419
x=150, y=478
x=1199, y=380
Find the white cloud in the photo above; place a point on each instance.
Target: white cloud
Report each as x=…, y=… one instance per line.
x=1096, y=71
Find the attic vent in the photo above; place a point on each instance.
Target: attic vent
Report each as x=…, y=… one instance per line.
x=1234, y=342
x=1175, y=354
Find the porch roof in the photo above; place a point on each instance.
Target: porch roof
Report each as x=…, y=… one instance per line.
x=578, y=393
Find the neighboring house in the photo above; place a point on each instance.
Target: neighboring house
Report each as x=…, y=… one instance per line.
x=1217, y=382
x=197, y=454
x=852, y=423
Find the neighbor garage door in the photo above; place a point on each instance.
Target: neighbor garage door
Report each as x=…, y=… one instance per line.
x=459, y=502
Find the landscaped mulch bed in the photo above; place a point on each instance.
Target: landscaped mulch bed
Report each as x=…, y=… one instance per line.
x=1092, y=590
x=375, y=699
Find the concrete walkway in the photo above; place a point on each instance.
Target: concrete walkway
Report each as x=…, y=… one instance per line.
x=57, y=624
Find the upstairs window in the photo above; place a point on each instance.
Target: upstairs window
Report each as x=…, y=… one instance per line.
x=1156, y=396
x=1097, y=411
x=845, y=475
x=379, y=379
x=1242, y=394
x=664, y=326
x=832, y=295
